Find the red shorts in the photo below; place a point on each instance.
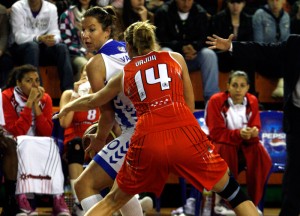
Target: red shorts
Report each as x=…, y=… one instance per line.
x=184, y=151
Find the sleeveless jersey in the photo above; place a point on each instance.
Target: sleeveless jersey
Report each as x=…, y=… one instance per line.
x=81, y=121
x=115, y=57
x=153, y=83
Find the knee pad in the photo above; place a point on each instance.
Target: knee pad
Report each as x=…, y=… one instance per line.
x=232, y=193
x=75, y=152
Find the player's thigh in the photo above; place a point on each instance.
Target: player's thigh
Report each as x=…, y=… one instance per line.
x=94, y=176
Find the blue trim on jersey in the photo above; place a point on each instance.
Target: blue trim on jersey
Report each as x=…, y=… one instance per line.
x=106, y=167
x=112, y=48
x=122, y=118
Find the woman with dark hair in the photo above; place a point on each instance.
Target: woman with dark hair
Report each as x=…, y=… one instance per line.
x=99, y=30
x=28, y=118
x=233, y=121
x=135, y=10
x=70, y=28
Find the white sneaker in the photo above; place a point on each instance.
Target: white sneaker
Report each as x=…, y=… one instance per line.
x=77, y=210
x=222, y=209
x=146, y=203
x=177, y=211
x=189, y=207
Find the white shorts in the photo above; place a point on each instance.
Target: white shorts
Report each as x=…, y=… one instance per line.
x=112, y=156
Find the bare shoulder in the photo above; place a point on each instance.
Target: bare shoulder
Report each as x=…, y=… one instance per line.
x=95, y=64
x=96, y=60
x=177, y=56
x=65, y=97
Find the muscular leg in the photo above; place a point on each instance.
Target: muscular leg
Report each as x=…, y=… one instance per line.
x=92, y=181
x=112, y=202
x=245, y=207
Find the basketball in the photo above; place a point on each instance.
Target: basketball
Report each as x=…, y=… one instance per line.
x=92, y=130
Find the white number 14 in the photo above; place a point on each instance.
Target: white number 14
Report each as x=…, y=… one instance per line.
x=163, y=79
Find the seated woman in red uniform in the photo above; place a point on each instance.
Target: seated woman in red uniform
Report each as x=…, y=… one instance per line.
x=233, y=121
x=28, y=118
x=75, y=124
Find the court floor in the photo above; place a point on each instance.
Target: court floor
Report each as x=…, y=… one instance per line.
x=163, y=212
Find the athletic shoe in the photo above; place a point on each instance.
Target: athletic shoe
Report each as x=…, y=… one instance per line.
x=146, y=203
x=77, y=210
x=177, y=211
x=189, y=208
x=223, y=209
x=24, y=204
x=33, y=213
x=60, y=207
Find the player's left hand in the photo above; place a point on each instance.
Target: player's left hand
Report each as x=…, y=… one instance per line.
x=92, y=145
x=63, y=112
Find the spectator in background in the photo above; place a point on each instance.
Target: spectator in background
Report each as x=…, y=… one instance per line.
x=135, y=10
x=251, y=5
x=62, y=5
x=36, y=38
x=285, y=57
x=153, y=5
x=117, y=4
x=28, y=111
x=211, y=6
x=233, y=121
x=70, y=29
x=271, y=24
x=75, y=124
x=295, y=18
x=233, y=20
x=182, y=26
x=6, y=62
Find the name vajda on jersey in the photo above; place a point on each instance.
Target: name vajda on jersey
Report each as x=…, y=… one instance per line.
x=148, y=59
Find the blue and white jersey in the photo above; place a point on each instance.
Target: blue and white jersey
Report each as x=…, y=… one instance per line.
x=115, y=58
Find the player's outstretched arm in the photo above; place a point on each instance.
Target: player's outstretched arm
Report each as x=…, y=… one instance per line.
x=92, y=101
x=217, y=42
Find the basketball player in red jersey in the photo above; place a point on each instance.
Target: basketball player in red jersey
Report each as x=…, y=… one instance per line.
x=167, y=138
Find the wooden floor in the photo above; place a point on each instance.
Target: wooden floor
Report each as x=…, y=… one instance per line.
x=167, y=212
x=163, y=212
